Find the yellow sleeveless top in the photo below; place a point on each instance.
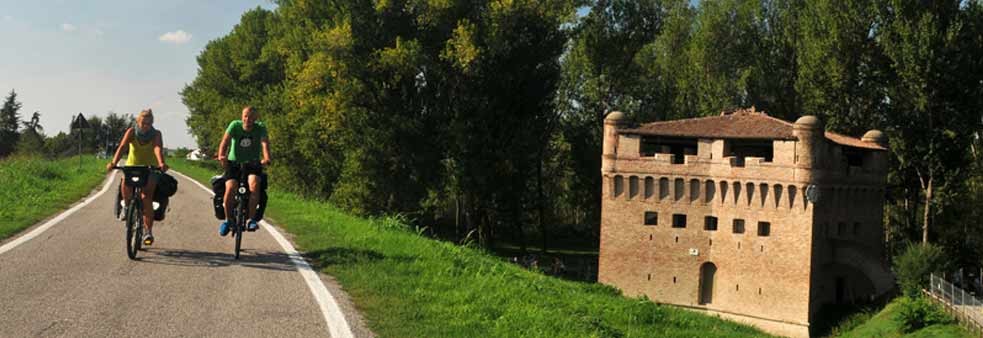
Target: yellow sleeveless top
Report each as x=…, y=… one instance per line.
x=141, y=153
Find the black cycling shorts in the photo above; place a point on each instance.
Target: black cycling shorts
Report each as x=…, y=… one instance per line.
x=232, y=172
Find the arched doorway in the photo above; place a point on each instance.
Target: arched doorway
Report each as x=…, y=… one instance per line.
x=707, y=271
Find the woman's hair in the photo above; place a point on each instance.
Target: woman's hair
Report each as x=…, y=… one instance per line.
x=145, y=114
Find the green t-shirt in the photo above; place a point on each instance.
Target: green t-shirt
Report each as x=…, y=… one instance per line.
x=245, y=146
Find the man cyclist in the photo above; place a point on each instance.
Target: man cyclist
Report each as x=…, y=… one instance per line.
x=244, y=141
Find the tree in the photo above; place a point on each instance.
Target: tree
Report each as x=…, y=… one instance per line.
x=60, y=145
x=34, y=124
x=841, y=67
x=933, y=93
x=602, y=71
x=31, y=139
x=115, y=126
x=914, y=266
x=9, y=123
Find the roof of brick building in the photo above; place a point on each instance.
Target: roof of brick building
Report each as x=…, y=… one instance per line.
x=739, y=124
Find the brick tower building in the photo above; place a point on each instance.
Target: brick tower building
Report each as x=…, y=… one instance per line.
x=743, y=215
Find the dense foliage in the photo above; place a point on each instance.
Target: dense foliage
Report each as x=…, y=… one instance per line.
x=917, y=312
x=484, y=117
x=914, y=266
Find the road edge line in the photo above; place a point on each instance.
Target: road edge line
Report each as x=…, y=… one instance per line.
x=329, y=307
x=50, y=223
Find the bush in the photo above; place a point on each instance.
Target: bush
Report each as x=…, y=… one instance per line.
x=914, y=265
x=918, y=312
x=397, y=222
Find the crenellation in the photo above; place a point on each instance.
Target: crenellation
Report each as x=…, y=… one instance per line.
x=705, y=149
x=628, y=146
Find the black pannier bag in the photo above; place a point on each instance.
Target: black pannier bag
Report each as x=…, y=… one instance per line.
x=218, y=188
x=166, y=187
x=261, y=207
x=161, y=209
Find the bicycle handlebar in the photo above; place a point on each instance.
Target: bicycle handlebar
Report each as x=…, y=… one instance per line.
x=153, y=167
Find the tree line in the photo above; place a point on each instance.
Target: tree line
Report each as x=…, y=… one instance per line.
x=27, y=137
x=484, y=118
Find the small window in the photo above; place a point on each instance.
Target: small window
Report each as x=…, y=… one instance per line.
x=856, y=229
x=840, y=229
x=710, y=223
x=738, y=226
x=764, y=229
x=651, y=218
x=678, y=221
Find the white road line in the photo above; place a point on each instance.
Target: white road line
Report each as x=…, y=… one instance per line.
x=337, y=324
x=37, y=231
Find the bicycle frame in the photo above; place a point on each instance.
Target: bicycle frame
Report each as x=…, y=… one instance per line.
x=135, y=177
x=240, y=214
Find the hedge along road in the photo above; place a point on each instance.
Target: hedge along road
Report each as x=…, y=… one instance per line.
x=70, y=277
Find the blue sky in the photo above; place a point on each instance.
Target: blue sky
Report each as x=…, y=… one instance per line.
x=65, y=57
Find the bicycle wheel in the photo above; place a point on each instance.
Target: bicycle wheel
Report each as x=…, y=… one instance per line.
x=139, y=226
x=237, y=230
x=132, y=238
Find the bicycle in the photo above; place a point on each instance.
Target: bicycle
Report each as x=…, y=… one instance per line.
x=240, y=211
x=136, y=178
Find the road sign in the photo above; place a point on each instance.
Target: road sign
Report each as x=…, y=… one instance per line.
x=79, y=122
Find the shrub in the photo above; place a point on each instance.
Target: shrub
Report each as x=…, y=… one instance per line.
x=914, y=265
x=397, y=221
x=918, y=312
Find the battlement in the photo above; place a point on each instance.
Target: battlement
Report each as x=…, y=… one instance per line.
x=747, y=145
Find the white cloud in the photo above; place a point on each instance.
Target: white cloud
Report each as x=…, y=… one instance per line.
x=68, y=27
x=176, y=37
x=7, y=18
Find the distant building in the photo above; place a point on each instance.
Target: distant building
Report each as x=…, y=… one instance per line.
x=744, y=215
x=196, y=155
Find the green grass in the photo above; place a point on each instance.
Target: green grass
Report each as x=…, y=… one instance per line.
x=406, y=285
x=884, y=324
x=35, y=188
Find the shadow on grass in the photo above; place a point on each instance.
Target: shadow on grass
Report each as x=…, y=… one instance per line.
x=338, y=256
x=580, y=266
x=268, y=260
x=835, y=319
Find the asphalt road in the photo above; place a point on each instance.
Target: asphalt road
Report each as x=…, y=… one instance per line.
x=75, y=280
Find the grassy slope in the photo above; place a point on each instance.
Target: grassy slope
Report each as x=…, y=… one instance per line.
x=410, y=286
x=883, y=324
x=35, y=188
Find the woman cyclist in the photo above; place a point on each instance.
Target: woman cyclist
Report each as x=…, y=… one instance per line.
x=145, y=149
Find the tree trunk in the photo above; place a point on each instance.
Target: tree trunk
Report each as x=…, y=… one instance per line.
x=517, y=221
x=928, y=208
x=457, y=216
x=539, y=201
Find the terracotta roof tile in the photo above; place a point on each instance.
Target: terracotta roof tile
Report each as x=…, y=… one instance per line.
x=740, y=124
x=852, y=142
